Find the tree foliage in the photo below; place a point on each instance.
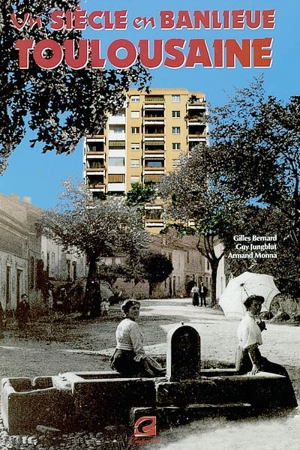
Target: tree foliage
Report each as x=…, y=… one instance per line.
x=156, y=269
x=97, y=229
x=60, y=105
x=255, y=143
x=256, y=148
x=140, y=194
x=196, y=203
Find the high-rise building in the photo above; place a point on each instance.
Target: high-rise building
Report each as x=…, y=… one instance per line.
x=143, y=142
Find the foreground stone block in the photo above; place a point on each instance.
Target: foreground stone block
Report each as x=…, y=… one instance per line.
x=100, y=402
x=26, y=404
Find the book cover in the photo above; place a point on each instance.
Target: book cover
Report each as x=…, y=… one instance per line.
x=221, y=50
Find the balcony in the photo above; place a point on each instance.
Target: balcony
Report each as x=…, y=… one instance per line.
x=95, y=138
x=153, y=113
x=150, y=178
x=97, y=188
x=154, y=161
x=97, y=155
x=95, y=170
x=153, y=121
x=117, y=120
x=197, y=138
x=195, y=119
x=197, y=132
x=154, y=223
x=154, y=137
x=154, y=153
x=153, y=174
x=116, y=187
x=196, y=102
x=154, y=99
x=117, y=136
x=94, y=147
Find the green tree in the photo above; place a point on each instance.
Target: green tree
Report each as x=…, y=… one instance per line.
x=255, y=146
x=60, y=105
x=140, y=194
x=156, y=269
x=270, y=221
x=196, y=204
x=97, y=229
x=255, y=143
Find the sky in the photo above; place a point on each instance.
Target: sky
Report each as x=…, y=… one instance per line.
x=39, y=176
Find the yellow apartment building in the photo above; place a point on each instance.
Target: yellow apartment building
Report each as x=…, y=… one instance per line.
x=143, y=142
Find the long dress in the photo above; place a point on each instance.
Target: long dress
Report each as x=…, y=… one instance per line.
x=195, y=296
x=129, y=357
x=250, y=338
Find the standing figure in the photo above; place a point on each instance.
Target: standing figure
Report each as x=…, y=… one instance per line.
x=195, y=295
x=23, y=312
x=105, y=307
x=94, y=298
x=129, y=357
x=203, y=292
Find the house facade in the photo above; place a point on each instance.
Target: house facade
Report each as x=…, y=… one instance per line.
x=25, y=256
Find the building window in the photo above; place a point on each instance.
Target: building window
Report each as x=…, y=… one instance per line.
x=135, y=114
x=116, y=161
x=135, y=98
x=74, y=266
x=134, y=179
x=149, y=179
x=175, y=162
x=176, y=146
x=154, y=163
x=32, y=273
x=120, y=113
x=19, y=284
x=116, y=178
x=117, y=130
x=175, y=113
x=68, y=263
x=176, y=98
x=135, y=163
x=135, y=147
x=8, y=285
x=175, y=130
x=135, y=130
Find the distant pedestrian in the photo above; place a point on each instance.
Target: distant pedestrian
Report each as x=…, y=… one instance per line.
x=195, y=295
x=23, y=312
x=95, y=299
x=105, y=307
x=203, y=292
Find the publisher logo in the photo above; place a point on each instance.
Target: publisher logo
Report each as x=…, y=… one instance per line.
x=145, y=426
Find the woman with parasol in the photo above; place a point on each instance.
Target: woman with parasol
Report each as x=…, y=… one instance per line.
x=249, y=358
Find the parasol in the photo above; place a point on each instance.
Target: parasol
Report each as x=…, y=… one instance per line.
x=239, y=288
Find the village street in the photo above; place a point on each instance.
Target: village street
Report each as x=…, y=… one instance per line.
x=70, y=346
x=57, y=345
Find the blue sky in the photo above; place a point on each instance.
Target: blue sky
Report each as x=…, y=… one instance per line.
x=40, y=176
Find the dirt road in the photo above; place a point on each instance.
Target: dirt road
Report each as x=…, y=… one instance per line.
x=218, y=335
